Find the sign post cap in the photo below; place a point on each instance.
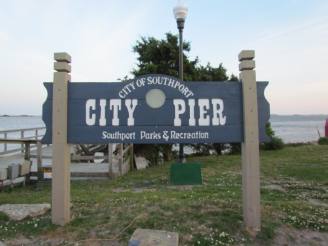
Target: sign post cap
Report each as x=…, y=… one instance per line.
x=62, y=57
x=246, y=65
x=62, y=67
x=246, y=55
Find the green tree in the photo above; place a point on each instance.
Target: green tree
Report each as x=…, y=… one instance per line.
x=209, y=73
x=161, y=56
x=233, y=78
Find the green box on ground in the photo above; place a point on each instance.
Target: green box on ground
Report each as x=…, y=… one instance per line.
x=186, y=174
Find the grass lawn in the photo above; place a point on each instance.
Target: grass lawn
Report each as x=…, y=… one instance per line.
x=294, y=193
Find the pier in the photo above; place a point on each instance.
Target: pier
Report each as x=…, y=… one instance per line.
x=17, y=145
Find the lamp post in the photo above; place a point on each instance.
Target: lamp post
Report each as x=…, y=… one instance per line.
x=180, y=13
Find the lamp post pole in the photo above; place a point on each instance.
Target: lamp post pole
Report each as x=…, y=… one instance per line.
x=180, y=14
x=180, y=27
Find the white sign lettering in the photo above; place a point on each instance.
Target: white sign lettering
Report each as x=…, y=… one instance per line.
x=211, y=112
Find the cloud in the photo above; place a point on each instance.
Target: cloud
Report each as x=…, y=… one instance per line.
x=291, y=54
x=293, y=58
x=106, y=54
x=4, y=38
x=100, y=46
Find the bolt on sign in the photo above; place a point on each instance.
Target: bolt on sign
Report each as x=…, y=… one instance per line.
x=155, y=109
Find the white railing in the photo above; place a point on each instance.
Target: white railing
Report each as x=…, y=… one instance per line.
x=27, y=133
x=12, y=141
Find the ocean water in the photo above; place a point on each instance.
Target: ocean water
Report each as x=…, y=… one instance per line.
x=19, y=122
x=291, y=128
x=298, y=128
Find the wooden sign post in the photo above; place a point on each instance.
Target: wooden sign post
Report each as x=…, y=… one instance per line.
x=132, y=112
x=61, y=150
x=250, y=145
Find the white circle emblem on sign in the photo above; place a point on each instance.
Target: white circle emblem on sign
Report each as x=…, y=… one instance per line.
x=155, y=98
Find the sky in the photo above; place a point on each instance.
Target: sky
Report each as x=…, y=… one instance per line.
x=290, y=38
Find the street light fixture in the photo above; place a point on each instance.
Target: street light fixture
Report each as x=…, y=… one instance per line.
x=180, y=13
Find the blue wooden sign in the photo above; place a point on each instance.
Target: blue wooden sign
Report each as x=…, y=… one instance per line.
x=156, y=109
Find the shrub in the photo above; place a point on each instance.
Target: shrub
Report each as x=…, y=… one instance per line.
x=323, y=141
x=275, y=144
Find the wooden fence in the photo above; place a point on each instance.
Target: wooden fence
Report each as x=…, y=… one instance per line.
x=27, y=133
x=19, y=137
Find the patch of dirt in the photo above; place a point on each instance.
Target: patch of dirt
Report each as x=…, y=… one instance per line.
x=290, y=236
x=54, y=238
x=119, y=190
x=54, y=241
x=168, y=213
x=20, y=240
x=21, y=211
x=134, y=190
x=274, y=187
x=140, y=190
x=203, y=230
x=232, y=173
x=187, y=238
x=316, y=202
x=182, y=187
x=210, y=208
